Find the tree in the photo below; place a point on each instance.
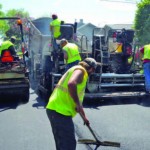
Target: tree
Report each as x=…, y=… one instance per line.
x=142, y=22
x=3, y=24
x=13, y=26
x=145, y=39
x=20, y=13
x=10, y=28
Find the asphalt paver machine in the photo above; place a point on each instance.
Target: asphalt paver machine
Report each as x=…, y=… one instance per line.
x=115, y=79
x=54, y=65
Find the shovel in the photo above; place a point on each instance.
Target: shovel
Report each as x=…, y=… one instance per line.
x=96, y=141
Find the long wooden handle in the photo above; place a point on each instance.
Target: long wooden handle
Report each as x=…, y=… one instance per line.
x=92, y=132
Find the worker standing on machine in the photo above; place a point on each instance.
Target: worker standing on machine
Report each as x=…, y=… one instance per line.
x=71, y=53
x=55, y=29
x=125, y=49
x=66, y=101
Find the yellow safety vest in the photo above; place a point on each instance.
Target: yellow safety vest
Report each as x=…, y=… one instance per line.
x=130, y=60
x=60, y=100
x=146, y=52
x=72, y=52
x=20, y=54
x=56, y=27
x=5, y=45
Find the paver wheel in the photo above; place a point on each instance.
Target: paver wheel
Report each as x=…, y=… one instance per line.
x=25, y=96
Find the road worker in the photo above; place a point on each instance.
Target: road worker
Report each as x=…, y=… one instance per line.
x=66, y=101
x=145, y=56
x=8, y=45
x=71, y=53
x=7, y=49
x=55, y=30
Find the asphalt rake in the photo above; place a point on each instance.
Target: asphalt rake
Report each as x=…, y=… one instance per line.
x=96, y=142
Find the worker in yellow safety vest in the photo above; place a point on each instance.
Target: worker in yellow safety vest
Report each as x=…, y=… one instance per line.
x=145, y=57
x=66, y=101
x=7, y=50
x=71, y=53
x=8, y=45
x=55, y=30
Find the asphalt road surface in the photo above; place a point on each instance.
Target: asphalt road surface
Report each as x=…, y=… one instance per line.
x=26, y=127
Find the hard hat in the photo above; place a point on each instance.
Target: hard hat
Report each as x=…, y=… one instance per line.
x=13, y=37
x=54, y=16
x=92, y=62
x=62, y=41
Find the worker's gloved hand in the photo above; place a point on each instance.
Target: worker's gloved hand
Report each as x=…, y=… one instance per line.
x=86, y=122
x=79, y=109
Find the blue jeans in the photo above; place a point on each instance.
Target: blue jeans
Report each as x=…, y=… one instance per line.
x=146, y=67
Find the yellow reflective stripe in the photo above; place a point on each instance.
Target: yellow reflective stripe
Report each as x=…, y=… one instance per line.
x=81, y=93
x=62, y=88
x=62, y=80
x=66, y=90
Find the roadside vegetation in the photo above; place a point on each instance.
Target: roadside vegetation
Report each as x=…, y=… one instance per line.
x=142, y=22
x=9, y=27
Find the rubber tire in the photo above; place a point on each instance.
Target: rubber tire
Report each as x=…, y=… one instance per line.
x=25, y=97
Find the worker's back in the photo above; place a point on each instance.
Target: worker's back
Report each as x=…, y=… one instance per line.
x=5, y=46
x=56, y=27
x=72, y=52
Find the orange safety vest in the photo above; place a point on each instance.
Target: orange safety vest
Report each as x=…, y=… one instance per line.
x=7, y=57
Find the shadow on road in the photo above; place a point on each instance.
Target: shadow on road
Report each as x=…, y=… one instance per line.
x=6, y=104
x=40, y=104
x=95, y=103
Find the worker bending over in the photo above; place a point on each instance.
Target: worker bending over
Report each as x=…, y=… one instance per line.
x=71, y=53
x=66, y=101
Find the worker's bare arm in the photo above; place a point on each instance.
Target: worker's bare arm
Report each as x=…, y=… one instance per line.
x=76, y=78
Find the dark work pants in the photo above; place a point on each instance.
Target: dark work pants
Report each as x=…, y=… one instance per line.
x=68, y=66
x=63, y=130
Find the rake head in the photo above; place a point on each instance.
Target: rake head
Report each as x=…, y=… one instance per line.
x=99, y=143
